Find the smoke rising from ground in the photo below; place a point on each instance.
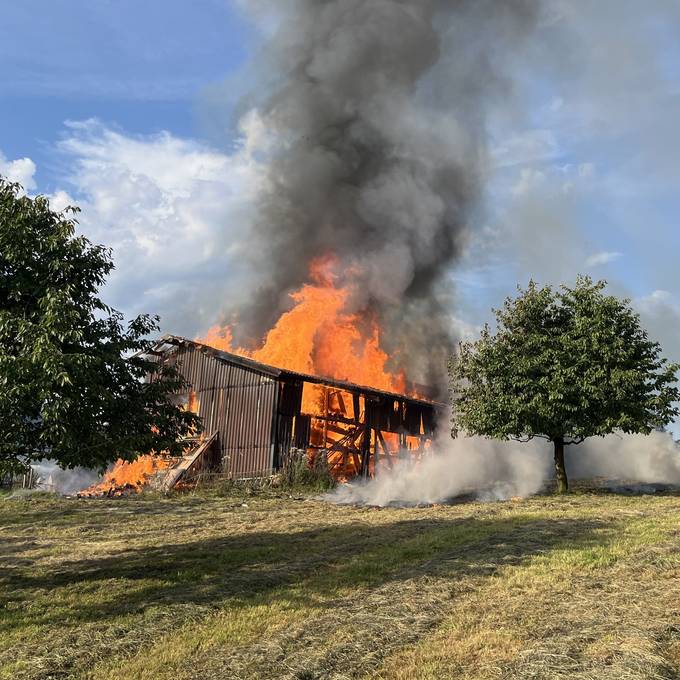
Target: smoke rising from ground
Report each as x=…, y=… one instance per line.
x=653, y=458
x=467, y=465
x=492, y=470
x=57, y=480
x=375, y=143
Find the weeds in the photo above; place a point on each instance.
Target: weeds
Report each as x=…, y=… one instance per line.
x=300, y=473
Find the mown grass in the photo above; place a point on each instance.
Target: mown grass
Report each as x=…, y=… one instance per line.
x=262, y=586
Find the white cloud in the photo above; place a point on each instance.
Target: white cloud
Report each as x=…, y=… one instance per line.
x=524, y=147
x=660, y=314
x=655, y=298
x=60, y=200
x=529, y=179
x=21, y=170
x=177, y=214
x=605, y=257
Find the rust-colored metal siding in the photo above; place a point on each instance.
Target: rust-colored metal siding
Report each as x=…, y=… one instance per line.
x=238, y=403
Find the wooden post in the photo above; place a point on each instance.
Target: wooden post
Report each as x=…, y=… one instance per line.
x=403, y=453
x=365, y=450
x=325, y=414
x=376, y=453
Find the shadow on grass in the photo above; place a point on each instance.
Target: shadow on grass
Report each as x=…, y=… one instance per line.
x=266, y=566
x=617, y=487
x=94, y=512
x=10, y=545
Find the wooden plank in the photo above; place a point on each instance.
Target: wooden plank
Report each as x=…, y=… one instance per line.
x=341, y=403
x=337, y=429
x=176, y=473
x=376, y=453
x=347, y=439
x=334, y=418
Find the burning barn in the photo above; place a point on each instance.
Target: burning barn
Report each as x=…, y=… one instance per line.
x=368, y=166
x=258, y=413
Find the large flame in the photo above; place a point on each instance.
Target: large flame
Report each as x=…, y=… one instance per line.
x=318, y=336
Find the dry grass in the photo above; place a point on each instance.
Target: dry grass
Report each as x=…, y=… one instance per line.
x=265, y=587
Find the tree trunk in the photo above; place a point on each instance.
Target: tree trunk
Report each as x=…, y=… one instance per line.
x=560, y=472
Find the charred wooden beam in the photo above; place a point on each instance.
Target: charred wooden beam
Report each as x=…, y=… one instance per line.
x=366, y=451
x=334, y=418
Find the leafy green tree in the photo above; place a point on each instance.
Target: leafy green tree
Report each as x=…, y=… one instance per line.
x=564, y=365
x=72, y=381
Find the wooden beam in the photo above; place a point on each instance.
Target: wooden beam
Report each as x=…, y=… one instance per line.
x=388, y=455
x=365, y=451
x=376, y=453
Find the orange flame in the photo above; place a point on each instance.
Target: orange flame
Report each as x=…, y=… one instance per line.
x=127, y=477
x=318, y=336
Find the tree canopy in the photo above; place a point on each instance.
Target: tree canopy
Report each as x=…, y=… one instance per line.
x=563, y=364
x=72, y=381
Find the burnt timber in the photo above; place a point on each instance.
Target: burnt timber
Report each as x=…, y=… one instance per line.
x=261, y=413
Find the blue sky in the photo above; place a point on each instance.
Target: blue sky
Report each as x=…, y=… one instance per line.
x=134, y=110
x=138, y=66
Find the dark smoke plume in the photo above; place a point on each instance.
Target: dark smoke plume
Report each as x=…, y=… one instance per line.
x=377, y=128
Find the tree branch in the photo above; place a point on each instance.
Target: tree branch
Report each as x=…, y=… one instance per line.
x=527, y=438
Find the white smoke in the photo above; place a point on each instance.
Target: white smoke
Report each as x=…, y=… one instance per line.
x=653, y=458
x=57, y=480
x=492, y=470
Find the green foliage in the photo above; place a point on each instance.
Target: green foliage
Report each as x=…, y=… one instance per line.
x=565, y=365
x=71, y=379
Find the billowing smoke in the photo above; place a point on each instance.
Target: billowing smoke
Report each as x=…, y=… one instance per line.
x=486, y=469
x=640, y=458
x=375, y=142
x=492, y=470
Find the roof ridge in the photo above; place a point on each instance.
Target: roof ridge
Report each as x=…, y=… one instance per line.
x=276, y=372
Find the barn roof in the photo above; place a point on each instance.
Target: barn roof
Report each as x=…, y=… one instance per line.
x=166, y=341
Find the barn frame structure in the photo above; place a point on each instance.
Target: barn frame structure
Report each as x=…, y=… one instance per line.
x=258, y=414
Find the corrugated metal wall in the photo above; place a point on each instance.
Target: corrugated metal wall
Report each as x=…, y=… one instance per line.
x=238, y=403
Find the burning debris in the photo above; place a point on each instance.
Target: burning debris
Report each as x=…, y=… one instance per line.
x=160, y=471
x=126, y=478
x=320, y=338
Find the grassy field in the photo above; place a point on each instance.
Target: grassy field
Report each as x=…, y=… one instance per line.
x=586, y=586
